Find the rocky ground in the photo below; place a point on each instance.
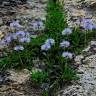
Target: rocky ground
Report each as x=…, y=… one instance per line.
x=17, y=83
x=29, y=9
x=77, y=9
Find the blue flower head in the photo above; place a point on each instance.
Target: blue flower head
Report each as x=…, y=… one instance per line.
x=8, y=39
x=14, y=37
x=67, y=31
x=15, y=24
x=67, y=55
x=18, y=48
x=38, y=25
x=20, y=33
x=65, y=44
x=87, y=20
x=45, y=47
x=88, y=26
x=50, y=41
x=3, y=42
x=24, y=40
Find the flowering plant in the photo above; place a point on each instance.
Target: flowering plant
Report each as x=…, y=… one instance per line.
x=56, y=48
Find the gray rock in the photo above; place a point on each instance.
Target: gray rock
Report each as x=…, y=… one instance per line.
x=77, y=9
x=93, y=43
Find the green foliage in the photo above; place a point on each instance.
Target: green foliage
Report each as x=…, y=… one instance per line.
x=79, y=39
x=17, y=60
x=54, y=63
x=39, y=77
x=55, y=21
x=68, y=73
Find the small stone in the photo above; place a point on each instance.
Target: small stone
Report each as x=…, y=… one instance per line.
x=86, y=49
x=93, y=43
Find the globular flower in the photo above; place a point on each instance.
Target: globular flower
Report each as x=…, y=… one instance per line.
x=24, y=40
x=38, y=25
x=20, y=33
x=14, y=37
x=8, y=39
x=50, y=41
x=45, y=47
x=67, y=55
x=67, y=31
x=18, y=48
x=15, y=24
x=65, y=44
x=88, y=26
x=87, y=20
x=3, y=42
